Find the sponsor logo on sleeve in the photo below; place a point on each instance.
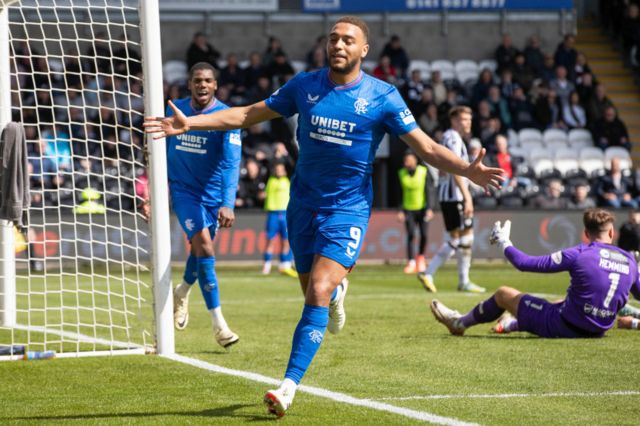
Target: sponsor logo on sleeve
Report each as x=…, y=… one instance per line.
x=234, y=139
x=557, y=257
x=407, y=117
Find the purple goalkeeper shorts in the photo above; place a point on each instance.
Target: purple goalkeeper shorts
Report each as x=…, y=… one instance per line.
x=540, y=317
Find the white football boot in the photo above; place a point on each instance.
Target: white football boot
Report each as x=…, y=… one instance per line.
x=225, y=337
x=337, y=315
x=448, y=317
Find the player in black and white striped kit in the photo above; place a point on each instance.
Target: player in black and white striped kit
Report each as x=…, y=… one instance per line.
x=456, y=204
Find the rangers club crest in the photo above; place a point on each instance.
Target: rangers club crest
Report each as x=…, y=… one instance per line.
x=361, y=106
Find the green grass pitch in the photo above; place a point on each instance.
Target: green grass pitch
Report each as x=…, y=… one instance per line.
x=391, y=350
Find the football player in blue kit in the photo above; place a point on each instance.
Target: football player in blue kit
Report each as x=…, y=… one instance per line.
x=203, y=168
x=342, y=116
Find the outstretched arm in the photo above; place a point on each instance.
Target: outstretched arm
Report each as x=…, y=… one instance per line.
x=556, y=262
x=228, y=119
x=443, y=159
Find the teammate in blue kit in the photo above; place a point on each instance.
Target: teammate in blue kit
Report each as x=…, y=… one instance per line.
x=203, y=168
x=602, y=275
x=342, y=116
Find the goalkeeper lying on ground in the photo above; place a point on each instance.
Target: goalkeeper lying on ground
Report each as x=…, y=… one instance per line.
x=601, y=277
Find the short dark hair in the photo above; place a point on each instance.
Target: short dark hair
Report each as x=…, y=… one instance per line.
x=201, y=66
x=354, y=20
x=596, y=221
x=456, y=111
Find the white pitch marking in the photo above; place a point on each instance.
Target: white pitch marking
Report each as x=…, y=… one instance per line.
x=515, y=395
x=324, y=393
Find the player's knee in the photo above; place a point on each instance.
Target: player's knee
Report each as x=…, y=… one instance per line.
x=454, y=243
x=202, y=249
x=319, y=289
x=466, y=242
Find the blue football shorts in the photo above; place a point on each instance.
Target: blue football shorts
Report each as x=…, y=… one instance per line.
x=336, y=235
x=193, y=216
x=277, y=224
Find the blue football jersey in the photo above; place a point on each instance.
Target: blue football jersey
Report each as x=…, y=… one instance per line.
x=339, y=130
x=204, y=164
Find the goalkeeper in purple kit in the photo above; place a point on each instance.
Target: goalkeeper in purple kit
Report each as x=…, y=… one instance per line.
x=602, y=275
x=343, y=114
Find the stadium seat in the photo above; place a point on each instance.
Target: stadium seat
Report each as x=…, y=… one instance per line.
x=530, y=145
x=619, y=152
x=175, y=71
x=244, y=64
x=222, y=63
x=579, y=138
x=566, y=163
x=512, y=136
x=466, y=65
x=488, y=63
x=520, y=152
x=591, y=160
x=298, y=66
x=541, y=162
x=466, y=77
x=530, y=134
x=556, y=144
x=446, y=68
x=423, y=66
x=551, y=136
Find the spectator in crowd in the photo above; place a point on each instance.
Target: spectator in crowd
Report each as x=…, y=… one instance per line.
x=547, y=111
x=282, y=156
x=280, y=69
x=274, y=47
x=521, y=110
x=251, y=188
x=428, y=120
x=573, y=114
x=523, y=73
x=426, y=99
x=480, y=90
x=614, y=189
x=385, y=71
x=232, y=77
x=489, y=134
x=534, y=57
x=505, y=53
x=42, y=166
x=201, y=51
x=629, y=235
x=499, y=107
x=254, y=70
x=261, y=90
x=507, y=84
x=598, y=104
x=561, y=85
x=611, y=131
x=502, y=159
x=548, y=70
x=312, y=58
x=580, y=199
x=566, y=54
x=481, y=118
x=631, y=28
x=397, y=56
x=58, y=148
x=318, y=60
x=256, y=142
x=412, y=89
x=586, y=90
x=581, y=68
x=552, y=198
x=443, y=109
x=439, y=89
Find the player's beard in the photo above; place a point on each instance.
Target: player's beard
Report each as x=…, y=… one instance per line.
x=347, y=68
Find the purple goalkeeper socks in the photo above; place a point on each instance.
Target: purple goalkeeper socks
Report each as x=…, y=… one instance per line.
x=486, y=311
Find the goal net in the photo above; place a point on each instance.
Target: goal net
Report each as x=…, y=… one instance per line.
x=82, y=260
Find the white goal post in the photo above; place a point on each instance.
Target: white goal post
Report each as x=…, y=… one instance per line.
x=86, y=275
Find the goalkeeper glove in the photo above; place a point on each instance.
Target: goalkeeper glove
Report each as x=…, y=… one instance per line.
x=500, y=234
